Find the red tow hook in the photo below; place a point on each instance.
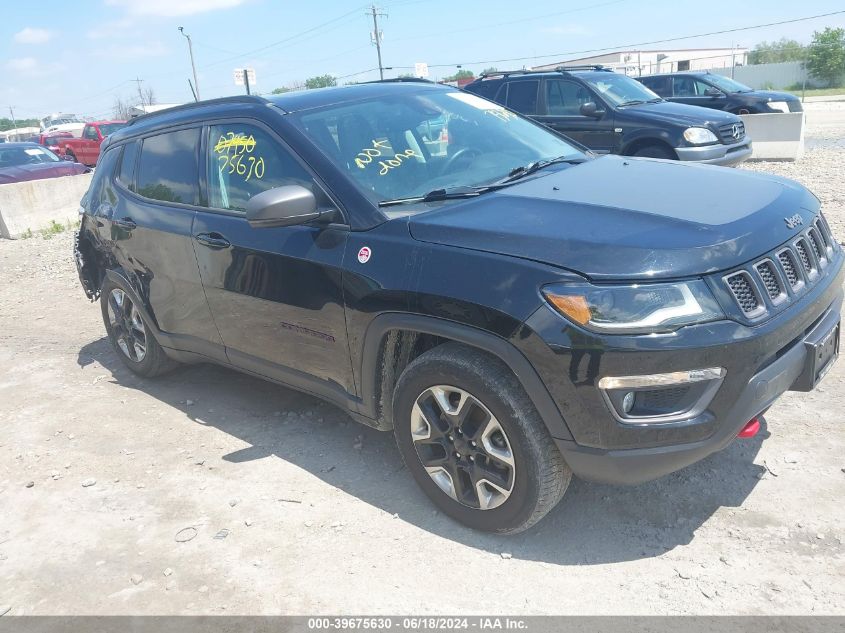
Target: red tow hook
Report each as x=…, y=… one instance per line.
x=750, y=429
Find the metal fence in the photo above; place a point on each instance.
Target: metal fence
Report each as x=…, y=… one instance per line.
x=771, y=76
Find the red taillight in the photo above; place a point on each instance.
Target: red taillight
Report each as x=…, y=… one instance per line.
x=750, y=429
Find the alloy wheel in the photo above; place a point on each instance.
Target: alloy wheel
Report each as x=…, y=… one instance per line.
x=462, y=447
x=127, y=325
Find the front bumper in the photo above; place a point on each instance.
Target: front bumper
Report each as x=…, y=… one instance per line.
x=632, y=466
x=762, y=361
x=717, y=154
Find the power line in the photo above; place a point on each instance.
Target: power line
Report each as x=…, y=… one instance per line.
x=622, y=46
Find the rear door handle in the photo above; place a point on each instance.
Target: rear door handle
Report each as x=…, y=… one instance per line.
x=212, y=240
x=125, y=223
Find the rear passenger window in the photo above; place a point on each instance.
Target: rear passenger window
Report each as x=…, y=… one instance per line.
x=99, y=191
x=522, y=96
x=167, y=169
x=126, y=174
x=243, y=161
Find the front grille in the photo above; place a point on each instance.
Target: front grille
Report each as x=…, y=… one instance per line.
x=806, y=262
x=787, y=262
x=770, y=281
x=743, y=290
x=726, y=132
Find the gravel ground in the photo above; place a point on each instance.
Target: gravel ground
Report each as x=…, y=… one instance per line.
x=210, y=492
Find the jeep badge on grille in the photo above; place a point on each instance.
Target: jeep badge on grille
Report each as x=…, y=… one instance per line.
x=794, y=221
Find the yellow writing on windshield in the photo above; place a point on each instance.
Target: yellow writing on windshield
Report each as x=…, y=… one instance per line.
x=392, y=163
x=368, y=154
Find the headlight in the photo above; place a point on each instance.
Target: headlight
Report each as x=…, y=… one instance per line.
x=635, y=309
x=780, y=106
x=699, y=136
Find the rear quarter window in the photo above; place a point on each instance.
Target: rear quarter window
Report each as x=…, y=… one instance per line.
x=485, y=88
x=168, y=167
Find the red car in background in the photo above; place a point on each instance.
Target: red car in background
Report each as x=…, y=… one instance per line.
x=51, y=140
x=29, y=161
x=86, y=148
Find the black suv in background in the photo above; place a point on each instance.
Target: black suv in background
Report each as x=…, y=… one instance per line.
x=513, y=309
x=611, y=113
x=710, y=90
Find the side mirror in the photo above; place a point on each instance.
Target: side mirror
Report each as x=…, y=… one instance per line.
x=590, y=109
x=282, y=206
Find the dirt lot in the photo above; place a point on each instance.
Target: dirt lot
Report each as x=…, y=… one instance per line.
x=209, y=492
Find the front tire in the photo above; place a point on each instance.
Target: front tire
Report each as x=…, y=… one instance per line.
x=131, y=337
x=474, y=442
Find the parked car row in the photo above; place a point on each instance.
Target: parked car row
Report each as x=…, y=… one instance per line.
x=611, y=113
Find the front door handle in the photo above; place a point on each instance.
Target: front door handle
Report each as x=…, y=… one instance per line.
x=212, y=240
x=125, y=223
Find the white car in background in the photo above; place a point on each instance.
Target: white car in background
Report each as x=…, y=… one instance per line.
x=59, y=122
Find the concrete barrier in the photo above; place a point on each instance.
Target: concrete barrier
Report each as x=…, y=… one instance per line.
x=32, y=205
x=776, y=136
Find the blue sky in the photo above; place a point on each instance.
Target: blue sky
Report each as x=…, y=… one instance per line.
x=77, y=56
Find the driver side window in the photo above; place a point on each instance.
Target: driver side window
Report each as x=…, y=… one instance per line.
x=243, y=161
x=565, y=97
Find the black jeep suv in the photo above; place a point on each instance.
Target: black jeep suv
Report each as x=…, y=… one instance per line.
x=613, y=114
x=709, y=90
x=515, y=310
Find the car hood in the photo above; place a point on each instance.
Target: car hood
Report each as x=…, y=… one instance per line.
x=21, y=173
x=769, y=95
x=626, y=218
x=680, y=113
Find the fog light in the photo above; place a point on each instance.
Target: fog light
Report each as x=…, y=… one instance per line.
x=628, y=402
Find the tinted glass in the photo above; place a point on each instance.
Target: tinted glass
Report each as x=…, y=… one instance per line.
x=522, y=96
x=167, y=169
x=126, y=175
x=566, y=97
x=619, y=89
x=660, y=85
x=243, y=161
x=25, y=155
x=99, y=184
x=727, y=84
x=486, y=88
x=408, y=144
x=690, y=87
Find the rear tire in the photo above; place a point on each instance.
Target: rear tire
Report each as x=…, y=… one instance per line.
x=490, y=462
x=655, y=151
x=130, y=335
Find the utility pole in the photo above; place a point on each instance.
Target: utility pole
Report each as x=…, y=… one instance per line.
x=193, y=65
x=140, y=93
x=14, y=122
x=246, y=80
x=376, y=35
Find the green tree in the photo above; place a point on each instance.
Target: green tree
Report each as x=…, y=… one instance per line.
x=321, y=81
x=461, y=74
x=826, y=56
x=8, y=124
x=490, y=71
x=783, y=50
x=281, y=91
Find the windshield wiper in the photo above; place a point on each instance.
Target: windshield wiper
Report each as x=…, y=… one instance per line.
x=631, y=102
x=526, y=170
x=436, y=195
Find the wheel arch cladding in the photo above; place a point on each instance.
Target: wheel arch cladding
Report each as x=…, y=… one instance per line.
x=393, y=340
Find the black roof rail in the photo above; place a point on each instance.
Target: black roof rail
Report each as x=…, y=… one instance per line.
x=199, y=104
x=556, y=69
x=399, y=80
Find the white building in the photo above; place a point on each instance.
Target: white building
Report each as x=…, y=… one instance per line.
x=638, y=62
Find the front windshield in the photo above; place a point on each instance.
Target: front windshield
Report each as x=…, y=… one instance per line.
x=619, y=89
x=727, y=84
x=16, y=156
x=406, y=145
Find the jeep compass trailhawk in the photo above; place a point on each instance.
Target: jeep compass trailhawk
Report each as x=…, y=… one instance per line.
x=514, y=310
